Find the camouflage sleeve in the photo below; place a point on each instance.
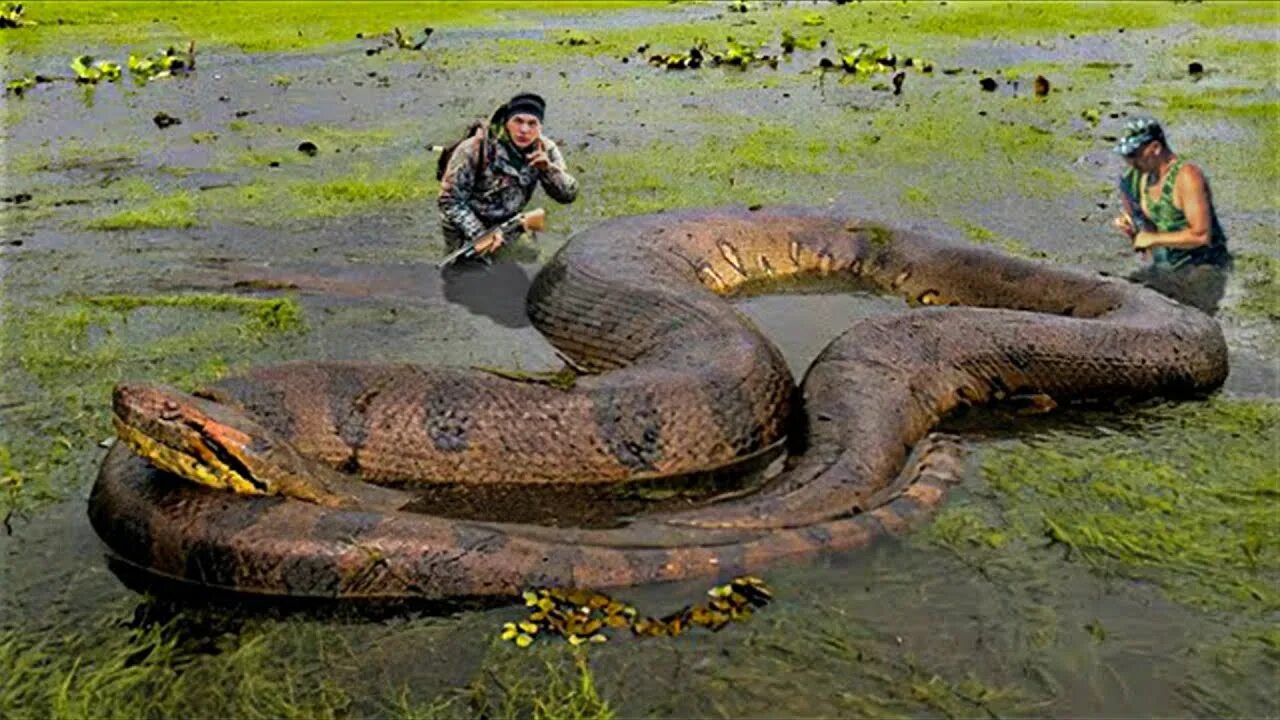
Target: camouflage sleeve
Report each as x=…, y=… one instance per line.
x=457, y=187
x=556, y=180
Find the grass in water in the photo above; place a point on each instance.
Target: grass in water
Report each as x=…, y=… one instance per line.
x=172, y=211
x=1192, y=517
x=60, y=362
x=154, y=670
x=270, y=26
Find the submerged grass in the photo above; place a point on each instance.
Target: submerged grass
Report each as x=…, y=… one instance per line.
x=154, y=670
x=177, y=210
x=980, y=234
x=362, y=189
x=847, y=669
x=548, y=687
x=1191, y=515
x=197, y=663
x=61, y=360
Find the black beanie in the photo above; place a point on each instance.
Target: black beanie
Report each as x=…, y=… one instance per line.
x=525, y=103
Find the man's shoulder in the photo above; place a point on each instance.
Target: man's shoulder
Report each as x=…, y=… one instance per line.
x=1190, y=176
x=1190, y=171
x=471, y=145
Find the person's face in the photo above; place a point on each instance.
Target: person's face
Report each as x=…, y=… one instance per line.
x=524, y=129
x=1146, y=158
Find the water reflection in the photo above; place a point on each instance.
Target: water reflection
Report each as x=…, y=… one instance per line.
x=496, y=290
x=1200, y=286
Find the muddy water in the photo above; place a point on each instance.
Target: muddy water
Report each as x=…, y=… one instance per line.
x=843, y=628
x=873, y=633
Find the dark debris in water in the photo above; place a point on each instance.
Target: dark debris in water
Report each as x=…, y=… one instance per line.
x=163, y=120
x=396, y=39
x=582, y=616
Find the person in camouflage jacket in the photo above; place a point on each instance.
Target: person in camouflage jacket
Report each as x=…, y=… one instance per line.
x=491, y=175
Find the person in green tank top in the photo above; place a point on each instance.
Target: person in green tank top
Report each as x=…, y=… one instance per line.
x=1169, y=215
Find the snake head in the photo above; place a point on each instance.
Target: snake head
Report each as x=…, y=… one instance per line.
x=216, y=445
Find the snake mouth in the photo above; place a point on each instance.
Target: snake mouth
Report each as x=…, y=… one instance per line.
x=172, y=431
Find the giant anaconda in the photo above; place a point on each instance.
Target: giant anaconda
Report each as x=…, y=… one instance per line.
x=677, y=381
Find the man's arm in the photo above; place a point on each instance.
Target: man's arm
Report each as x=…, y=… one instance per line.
x=555, y=179
x=1189, y=188
x=457, y=186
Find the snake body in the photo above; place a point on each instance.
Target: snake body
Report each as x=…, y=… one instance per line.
x=674, y=380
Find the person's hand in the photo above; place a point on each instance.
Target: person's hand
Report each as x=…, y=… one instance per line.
x=1143, y=240
x=490, y=243
x=1124, y=224
x=539, y=160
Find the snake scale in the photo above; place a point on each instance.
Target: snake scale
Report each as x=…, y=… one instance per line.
x=674, y=380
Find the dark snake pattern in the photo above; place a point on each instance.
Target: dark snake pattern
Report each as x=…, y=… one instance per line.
x=677, y=381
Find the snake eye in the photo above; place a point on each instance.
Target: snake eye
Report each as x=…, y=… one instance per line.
x=169, y=410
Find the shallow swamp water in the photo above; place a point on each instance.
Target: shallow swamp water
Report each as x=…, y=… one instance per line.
x=1103, y=561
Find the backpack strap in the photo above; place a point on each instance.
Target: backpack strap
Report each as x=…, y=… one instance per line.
x=483, y=132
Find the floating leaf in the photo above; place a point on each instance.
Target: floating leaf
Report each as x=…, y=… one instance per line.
x=20, y=86
x=11, y=16
x=523, y=641
x=109, y=70
x=581, y=615
x=85, y=72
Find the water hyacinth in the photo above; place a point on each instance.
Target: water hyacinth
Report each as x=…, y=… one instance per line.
x=585, y=616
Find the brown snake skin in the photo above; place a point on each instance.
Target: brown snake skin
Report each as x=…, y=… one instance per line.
x=678, y=381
